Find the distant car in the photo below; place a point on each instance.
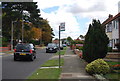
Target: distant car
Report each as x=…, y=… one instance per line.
x=51, y=47
x=24, y=51
x=61, y=46
x=64, y=45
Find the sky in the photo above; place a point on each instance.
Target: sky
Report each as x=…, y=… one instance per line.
x=77, y=14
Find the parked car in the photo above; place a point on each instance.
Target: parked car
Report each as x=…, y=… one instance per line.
x=61, y=46
x=64, y=45
x=51, y=47
x=24, y=51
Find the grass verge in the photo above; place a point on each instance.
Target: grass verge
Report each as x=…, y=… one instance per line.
x=62, y=52
x=54, y=62
x=49, y=73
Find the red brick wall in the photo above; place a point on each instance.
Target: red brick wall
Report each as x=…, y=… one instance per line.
x=113, y=55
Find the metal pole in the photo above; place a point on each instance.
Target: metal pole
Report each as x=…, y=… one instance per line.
x=59, y=46
x=12, y=36
x=22, y=28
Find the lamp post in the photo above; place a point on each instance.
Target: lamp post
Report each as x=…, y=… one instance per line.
x=22, y=27
x=12, y=24
x=12, y=36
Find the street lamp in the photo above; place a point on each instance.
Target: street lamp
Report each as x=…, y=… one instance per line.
x=12, y=34
x=22, y=28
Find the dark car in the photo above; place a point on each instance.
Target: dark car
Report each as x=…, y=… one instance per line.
x=24, y=51
x=51, y=47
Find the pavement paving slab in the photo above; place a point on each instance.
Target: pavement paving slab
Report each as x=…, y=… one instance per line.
x=74, y=67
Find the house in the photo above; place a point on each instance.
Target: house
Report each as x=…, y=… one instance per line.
x=112, y=29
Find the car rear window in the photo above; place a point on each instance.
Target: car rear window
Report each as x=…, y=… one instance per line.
x=51, y=45
x=23, y=47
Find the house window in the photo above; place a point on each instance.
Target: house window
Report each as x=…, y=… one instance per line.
x=109, y=27
x=110, y=43
x=115, y=24
x=117, y=40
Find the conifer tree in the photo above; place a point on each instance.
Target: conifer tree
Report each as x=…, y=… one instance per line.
x=96, y=42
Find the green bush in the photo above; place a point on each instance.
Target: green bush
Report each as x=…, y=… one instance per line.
x=79, y=47
x=98, y=66
x=4, y=42
x=96, y=42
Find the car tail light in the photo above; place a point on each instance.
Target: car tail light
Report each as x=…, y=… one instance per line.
x=14, y=50
x=31, y=51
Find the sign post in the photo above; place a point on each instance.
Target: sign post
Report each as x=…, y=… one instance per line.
x=61, y=28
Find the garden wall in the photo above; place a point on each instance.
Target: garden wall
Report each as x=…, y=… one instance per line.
x=113, y=55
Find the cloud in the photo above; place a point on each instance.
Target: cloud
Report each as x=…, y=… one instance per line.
x=55, y=18
x=67, y=10
x=76, y=8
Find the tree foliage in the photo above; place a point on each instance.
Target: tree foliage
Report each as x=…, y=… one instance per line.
x=96, y=41
x=69, y=39
x=37, y=33
x=47, y=32
x=26, y=12
x=18, y=12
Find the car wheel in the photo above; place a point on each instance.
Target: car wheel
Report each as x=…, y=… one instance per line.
x=35, y=57
x=15, y=58
x=32, y=58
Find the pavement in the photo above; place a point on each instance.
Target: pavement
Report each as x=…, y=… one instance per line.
x=74, y=68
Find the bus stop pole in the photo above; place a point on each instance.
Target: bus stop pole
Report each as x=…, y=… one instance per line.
x=59, y=46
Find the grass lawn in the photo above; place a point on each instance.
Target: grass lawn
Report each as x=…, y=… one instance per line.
x=49, y=73
x=113, y=76
x=112, y=63
x=54, y=62
x=62, y=52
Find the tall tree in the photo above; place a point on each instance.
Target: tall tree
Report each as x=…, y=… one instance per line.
x=47, y=32
x=96, y=41
x=19, y=12
x=69, y=39
x=82, y=37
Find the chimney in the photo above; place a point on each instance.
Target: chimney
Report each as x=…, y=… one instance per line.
x=110, y=16
x=119, y=7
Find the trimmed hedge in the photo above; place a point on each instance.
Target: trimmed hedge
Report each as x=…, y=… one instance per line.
x=98, y=66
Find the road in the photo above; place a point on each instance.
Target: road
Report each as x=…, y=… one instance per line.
x=22, y=69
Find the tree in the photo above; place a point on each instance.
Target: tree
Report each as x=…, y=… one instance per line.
x=69, y=39
x=82, y=37
x=96, y=42
x=19, y=12
x=37, y=33
x=47, y=32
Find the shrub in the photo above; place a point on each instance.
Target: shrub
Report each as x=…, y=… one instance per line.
x=98, y=66
x=4, y=42
x=96, y=42
x=80, y=48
